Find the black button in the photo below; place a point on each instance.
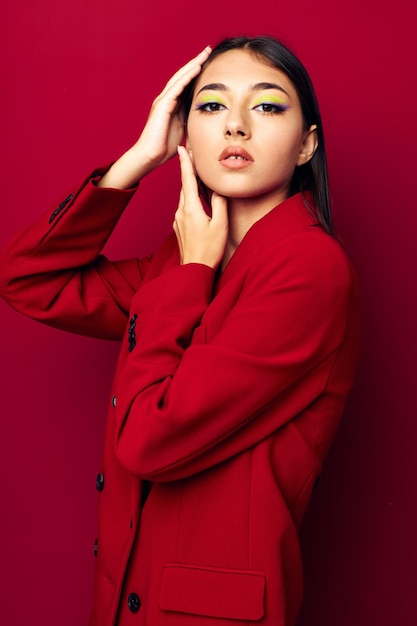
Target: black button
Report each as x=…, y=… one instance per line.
x=100, y=482
x=96, y=547
x=133, y=602
x=113, y=401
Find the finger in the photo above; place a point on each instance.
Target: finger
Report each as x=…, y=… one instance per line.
x=219, y=209
x=188, y=178
x=193, y=65
x=178, y=236
x=181, y=200
x=175, y=88
x=177, y=83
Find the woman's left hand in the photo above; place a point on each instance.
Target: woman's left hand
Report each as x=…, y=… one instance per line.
x=201, y=239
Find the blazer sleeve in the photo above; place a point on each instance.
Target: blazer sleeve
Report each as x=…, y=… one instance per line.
x=186, y=402
x=53, y=271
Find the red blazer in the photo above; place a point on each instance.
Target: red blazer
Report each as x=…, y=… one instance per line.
x=227, y=395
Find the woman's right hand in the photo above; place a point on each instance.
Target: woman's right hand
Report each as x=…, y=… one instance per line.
x=162, y=133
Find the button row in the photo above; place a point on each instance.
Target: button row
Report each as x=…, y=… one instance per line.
x=133, y=601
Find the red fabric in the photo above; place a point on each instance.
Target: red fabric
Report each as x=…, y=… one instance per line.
x=227, y=401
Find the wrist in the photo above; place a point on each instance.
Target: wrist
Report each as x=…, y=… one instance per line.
x=128, y=170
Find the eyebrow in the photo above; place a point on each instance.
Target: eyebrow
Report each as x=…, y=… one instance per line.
x=255, y=87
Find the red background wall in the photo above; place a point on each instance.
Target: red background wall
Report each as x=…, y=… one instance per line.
x=77, y=81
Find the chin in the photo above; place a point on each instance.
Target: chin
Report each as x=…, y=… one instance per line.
x=229, y=191
x=239, y=194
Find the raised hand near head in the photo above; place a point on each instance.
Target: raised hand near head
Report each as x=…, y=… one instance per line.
x=161, y=134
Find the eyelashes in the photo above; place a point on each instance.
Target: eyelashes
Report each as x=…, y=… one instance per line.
x=271, y=108
x=267, y=108
x=210, y=107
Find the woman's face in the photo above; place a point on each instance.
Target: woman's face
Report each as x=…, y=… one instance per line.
x=245, y=128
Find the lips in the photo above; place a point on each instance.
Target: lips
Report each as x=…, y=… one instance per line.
x=235, y=157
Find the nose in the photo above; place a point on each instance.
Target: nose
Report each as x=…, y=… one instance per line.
x=237, y=124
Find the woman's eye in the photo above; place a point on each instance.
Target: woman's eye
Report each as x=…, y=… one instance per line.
x=210, y=107
x=268, y=107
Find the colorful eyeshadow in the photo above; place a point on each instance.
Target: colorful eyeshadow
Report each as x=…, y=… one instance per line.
x=270, y=99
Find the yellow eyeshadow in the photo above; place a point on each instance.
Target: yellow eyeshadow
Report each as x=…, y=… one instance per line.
x=270, y=99
x=207, y=98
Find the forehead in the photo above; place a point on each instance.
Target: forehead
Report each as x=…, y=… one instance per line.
x=240, y=69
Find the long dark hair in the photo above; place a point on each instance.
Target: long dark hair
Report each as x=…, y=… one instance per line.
x=312, y=176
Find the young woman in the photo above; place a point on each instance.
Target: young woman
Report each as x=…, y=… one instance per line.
x=239, y=343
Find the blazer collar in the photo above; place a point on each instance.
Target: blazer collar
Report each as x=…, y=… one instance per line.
x=288, y=216
x=295, y=213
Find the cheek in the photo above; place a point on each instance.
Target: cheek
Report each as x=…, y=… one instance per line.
x=195, y=135
x=286, y=148
x=199, y=143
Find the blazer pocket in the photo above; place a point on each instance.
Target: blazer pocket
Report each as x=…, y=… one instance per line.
x=213, y=592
